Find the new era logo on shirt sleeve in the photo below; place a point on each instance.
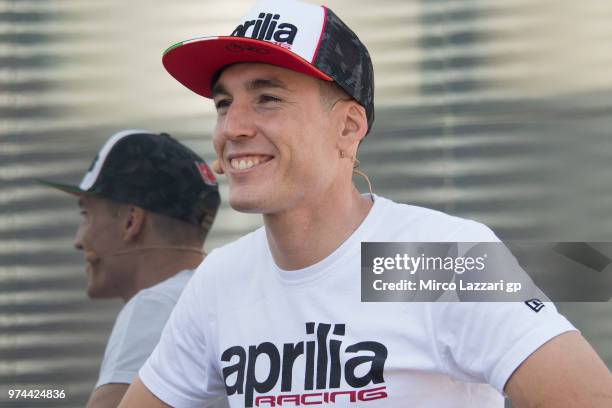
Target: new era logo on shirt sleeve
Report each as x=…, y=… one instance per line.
x=535, y=304
x=207, y=175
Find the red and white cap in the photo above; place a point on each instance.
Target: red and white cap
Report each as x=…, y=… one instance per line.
x=302, y=37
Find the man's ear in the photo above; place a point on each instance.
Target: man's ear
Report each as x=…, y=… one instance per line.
x=133, y=223
x=354, y=127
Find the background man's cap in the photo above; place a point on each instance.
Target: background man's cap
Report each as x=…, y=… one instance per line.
x=291, y=34
x=154, y=172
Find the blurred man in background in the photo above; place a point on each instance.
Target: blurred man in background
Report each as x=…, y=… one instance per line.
x=147, y=203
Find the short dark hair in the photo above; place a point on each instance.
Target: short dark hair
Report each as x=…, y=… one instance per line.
x=177, y=232
x=331, y=92
x=171, y=230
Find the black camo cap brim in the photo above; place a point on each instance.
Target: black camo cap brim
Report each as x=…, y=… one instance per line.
x=70, y=189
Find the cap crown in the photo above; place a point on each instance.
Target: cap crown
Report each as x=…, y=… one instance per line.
x=155, y=172
x=302, y=37
x=317, y=35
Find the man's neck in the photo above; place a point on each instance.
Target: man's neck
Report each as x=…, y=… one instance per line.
x=307, y=235
x=153, y=267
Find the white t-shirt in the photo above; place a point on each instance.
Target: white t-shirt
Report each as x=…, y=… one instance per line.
x=138, y=328
x=270, y=337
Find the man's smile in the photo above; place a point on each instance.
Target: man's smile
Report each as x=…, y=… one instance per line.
x=245, y=162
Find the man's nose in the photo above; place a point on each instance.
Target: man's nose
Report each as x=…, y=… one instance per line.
x=78, y=239
x=239, y=122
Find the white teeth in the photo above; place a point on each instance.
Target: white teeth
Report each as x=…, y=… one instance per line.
x=246, y=163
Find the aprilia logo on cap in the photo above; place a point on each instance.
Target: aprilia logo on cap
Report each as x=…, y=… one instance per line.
x=266, y=28
x=294, y=25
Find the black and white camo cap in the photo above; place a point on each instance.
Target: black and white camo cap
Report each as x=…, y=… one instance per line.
x=154, y=172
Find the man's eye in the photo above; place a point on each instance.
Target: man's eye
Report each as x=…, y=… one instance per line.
x=222, y=103
x=269, y=98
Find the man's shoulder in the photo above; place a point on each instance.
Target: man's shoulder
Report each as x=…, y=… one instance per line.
x=234, y=257
x=233, y=253
x=230, y=269
x=154, y=298
x=135, y=333
x=412, y=223
x=166, y=291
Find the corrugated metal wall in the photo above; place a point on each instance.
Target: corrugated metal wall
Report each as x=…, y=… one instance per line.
x=498, y=111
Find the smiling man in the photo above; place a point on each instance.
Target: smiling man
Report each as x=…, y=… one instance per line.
x=275, y=318
x=147, y=203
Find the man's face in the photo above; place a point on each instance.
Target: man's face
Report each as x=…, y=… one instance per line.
x=100, y=234
x=274, y=138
